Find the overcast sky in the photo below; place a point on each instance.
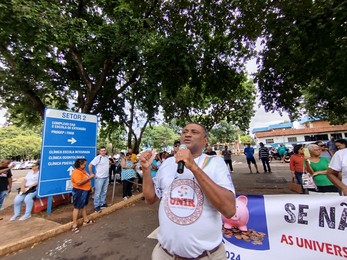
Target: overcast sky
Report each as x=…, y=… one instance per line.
x=262, y=118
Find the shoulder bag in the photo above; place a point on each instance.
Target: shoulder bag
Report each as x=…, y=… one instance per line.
x=296, y=187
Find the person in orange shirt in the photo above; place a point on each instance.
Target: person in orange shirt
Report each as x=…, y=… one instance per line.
x=82, y=186
x=297, y=162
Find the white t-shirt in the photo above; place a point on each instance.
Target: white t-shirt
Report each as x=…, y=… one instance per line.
x=31, y=178
x=188, y=223
x=102, y=165
x=339, y=163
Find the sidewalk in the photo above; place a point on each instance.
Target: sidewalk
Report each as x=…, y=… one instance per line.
x=20, y=234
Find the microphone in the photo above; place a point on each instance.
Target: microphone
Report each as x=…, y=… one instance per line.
x=180, y=164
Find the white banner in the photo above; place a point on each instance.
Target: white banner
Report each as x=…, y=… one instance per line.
x=287, y=227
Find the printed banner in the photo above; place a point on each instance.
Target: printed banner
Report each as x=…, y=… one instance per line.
x=287, y=227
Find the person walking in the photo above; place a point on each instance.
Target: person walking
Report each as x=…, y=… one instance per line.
x=191, y=203
x=226, y=153
x=81, y=183
x=264, y=157
x=101, y=164
x=249, y=152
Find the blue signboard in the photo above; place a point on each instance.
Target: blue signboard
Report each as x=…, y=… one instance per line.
x=67, y=136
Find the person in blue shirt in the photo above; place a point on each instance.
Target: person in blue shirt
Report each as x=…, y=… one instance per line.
x=249, y=152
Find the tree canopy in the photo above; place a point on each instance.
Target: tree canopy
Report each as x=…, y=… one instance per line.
x=19, y=143
x=303, y=65
x=185, y=57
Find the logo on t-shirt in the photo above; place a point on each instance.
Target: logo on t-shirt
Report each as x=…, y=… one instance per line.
x=183, y=201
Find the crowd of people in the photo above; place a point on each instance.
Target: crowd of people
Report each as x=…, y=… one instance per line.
x=326, y=164
x=205, y=176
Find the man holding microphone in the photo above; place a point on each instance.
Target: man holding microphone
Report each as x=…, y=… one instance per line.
x=191, y=202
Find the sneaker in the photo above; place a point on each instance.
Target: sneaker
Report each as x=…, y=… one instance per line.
x=104, y=206
x=24, y=217
x=13, y=218
x=125, y=198
x=97, y=210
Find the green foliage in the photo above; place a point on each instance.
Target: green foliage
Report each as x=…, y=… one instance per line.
x=223, y=133
x=302, y=68
x=112, y=138
x=245, y=139
x=98, y=56
x=159, y=136
x=19, y=143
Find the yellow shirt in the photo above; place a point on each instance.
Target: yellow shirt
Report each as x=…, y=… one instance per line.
x=133, y=157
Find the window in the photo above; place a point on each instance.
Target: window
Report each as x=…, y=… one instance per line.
x=337, y=136
x=269, y=141
x=309, y=138
x=322, y=137
x=292, y=139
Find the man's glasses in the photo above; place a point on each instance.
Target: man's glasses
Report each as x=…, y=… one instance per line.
x=321, y=145
x=176, y=145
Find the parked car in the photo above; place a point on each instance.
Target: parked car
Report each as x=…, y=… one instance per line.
x=19, y=166
x=28, y=164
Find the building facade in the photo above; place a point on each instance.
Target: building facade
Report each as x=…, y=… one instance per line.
x=308, y=129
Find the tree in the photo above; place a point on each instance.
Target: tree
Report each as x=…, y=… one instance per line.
x=112, y=138
x=96, y=56
x=245, y=139
x=19, y=143
x=302, y=67
x=224, y=133
x=159, y=136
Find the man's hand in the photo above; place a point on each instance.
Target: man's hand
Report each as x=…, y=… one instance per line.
x=146, y=158
x=186, y=156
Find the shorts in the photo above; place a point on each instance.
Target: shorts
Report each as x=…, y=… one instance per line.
x=80, y=198
x=250, y=160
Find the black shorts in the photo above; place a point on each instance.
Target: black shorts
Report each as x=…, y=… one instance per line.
x=80, y=198
x=250, y=160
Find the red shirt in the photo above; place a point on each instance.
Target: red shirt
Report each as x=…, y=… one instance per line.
x=297, y=163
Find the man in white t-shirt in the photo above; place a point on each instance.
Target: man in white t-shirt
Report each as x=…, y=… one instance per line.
x=338, y=164
x=191, y=203
x=101, y=164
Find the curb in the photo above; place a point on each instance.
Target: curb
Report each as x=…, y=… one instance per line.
x=24, y=243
